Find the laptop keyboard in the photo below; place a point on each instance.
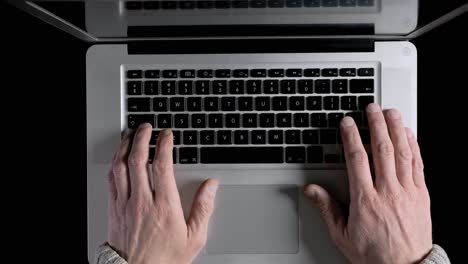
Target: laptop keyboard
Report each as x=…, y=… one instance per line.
x=243, y=4
x=225, y=116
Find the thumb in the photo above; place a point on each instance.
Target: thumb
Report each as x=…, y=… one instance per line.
x=202, y=209
x=329, y=209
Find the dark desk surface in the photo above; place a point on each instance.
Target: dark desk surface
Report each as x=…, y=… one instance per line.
x=44, y=70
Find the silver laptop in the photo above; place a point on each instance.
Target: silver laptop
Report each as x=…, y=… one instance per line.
x=254, y=92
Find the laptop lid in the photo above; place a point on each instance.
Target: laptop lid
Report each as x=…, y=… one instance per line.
x=111, y=21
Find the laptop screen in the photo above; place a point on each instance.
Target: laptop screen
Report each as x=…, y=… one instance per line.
x=108, y=20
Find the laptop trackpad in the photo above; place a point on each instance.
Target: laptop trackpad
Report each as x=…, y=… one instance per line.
x=255, y=219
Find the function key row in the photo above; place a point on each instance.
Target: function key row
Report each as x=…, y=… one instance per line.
x=244, y=73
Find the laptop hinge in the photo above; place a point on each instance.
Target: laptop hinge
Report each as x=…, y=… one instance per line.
x=230, y=46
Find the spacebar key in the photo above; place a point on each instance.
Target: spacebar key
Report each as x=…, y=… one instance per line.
x=241, y=155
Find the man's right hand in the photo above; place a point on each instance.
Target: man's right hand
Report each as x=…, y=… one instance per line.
x=389, y=216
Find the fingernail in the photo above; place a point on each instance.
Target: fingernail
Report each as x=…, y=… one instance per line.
x=166, y=132
x=347, y=121
x=373, y=108
x=212, y=188
x=394, y=114
x=409, y=133
x=145, y=125
x=310, y=193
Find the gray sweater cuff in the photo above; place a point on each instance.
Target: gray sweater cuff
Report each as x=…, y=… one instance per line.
x=437, y=256
x=106, y=255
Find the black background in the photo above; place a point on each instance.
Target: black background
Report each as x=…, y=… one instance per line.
x=44, y=127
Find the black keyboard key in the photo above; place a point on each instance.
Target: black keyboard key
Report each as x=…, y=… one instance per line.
x=207, y=137
x=365, y=136
x=270, y=87
x=205, y=4
x=275, y=4
x=331, y=103
x=334, y=119
x=340, y=86
x=241, y=73
x=294, y=72
x=205, y=73
x=293, y=137
x=332, y=158
x=222, y=4
x=152, y=74
x=134, y=121
x=190, y=137
x=318, y=120
x=232, y=120
x=133, y=5
x=229, y=155
x=329, y=3
x=314, y=103
x=312, y=3
x=187, y=74
x=151, y=87
x=223, y=73
x=312, y=72
x=202, y=87
x=293, y=3
x=134, y=88
x=187, y=4
x=211, y=104
x=305, y=86
x=364, y=101
x=329, y=72
x=328, y=136
x=176, y=137
x=254, y=86
x=236, y=87
x=301, y=120
x=249, y=120
x=322, y=86
x=310, y=136
x=198, y=120
x=366, y=2
x=357, y=116
x=169, y=74
x=257, y=3
x=194, y=104
x=138, y=104
x=280, y=103
x=241, y=137
x=283, y=120
x=275, y=137
x=349, y=103
x=168, y=87
x=348, y=72
x=258, y=73
x=164, y=121
x=228, y=103
x=219, y=87
x=295, y=155
x=169, y=4
x=296, y=103
x=154, y=137
x=181, y=121
x=276, y=72
x=186, y=87
x=366, y=72
x=188, y=155
x=315, y=154
x=258, y=137
x=288, y=86
x=160, y=104
x=245, y=103
x=134, y=74
x=348, y=3
x=362, y=86
x=240, y=4
x=267, y=120
x=224, y=137
x=174, y=155
x=177, y=104
x=215, y=120
x=262, y=103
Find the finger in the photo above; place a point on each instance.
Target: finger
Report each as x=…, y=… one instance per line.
x=138, y=162
x=403, y=155
x=329, y=209
x=360, y=179
x=418, y=164
x=165, y=187
x=382, y=150
x=202, y=209
x=120, y=169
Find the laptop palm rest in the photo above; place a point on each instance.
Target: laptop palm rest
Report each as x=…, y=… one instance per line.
x=255, y=219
